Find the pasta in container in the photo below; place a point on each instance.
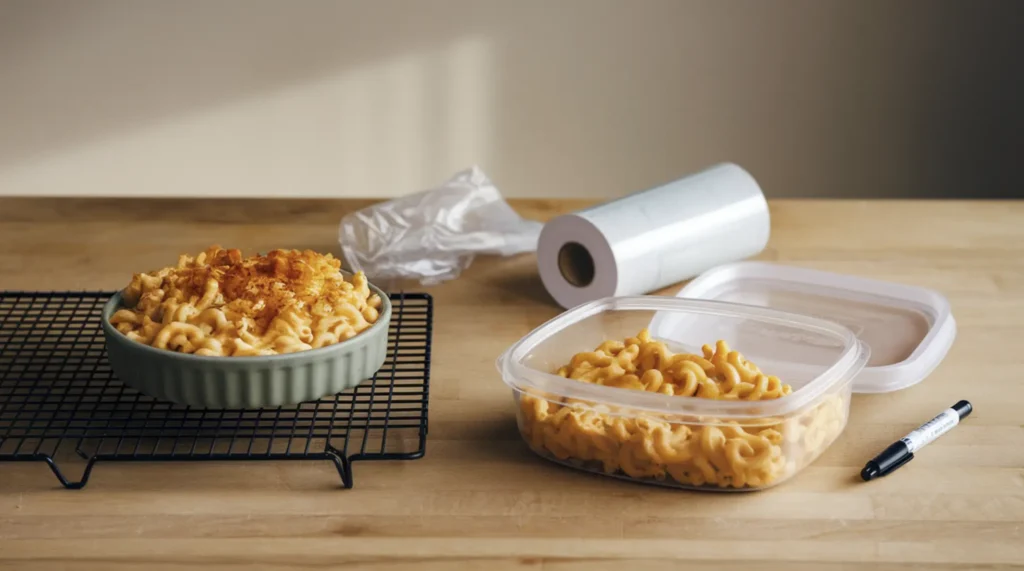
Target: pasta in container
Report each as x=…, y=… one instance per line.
x=734, y=398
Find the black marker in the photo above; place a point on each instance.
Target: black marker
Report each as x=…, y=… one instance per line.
x=903, y=450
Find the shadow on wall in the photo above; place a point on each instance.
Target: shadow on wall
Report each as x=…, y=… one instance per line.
x=583, y=98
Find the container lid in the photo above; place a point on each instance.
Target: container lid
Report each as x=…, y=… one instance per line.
x=908, y=329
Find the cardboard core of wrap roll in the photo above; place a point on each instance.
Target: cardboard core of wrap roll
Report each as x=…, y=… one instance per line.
x=576, y=264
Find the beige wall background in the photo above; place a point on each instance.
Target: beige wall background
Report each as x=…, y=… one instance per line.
x=556, y=98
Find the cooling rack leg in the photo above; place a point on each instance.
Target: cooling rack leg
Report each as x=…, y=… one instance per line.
x=67, y=483
x=81, y=453
x=344, y=467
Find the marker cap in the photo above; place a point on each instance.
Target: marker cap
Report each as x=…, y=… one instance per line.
x=963, y=408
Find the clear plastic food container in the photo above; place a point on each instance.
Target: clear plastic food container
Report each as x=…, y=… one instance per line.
x=717, y=443
x=815, y=332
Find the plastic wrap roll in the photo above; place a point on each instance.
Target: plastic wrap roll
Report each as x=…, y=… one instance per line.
x=655, y=238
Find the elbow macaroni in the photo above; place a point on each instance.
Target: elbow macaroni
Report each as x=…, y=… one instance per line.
x=219, y=304
x=690, y=452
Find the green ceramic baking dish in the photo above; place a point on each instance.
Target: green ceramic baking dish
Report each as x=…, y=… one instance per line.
x=247, y=382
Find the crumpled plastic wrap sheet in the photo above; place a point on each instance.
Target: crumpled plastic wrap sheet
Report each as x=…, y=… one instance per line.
x=433, y=235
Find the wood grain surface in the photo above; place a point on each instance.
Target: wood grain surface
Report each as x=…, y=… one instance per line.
x=480, y=499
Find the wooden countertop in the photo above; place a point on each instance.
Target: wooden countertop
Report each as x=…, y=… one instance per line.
x=479, y=498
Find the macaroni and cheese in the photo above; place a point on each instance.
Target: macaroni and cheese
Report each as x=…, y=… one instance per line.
x=689, y=451
x=221, y=304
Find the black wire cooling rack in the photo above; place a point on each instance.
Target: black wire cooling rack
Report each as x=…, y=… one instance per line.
x=60, y=403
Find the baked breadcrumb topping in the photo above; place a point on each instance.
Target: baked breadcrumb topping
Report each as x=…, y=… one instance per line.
x=289, y=294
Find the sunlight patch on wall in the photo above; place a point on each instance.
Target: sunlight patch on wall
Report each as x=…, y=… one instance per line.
x=384, y=129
